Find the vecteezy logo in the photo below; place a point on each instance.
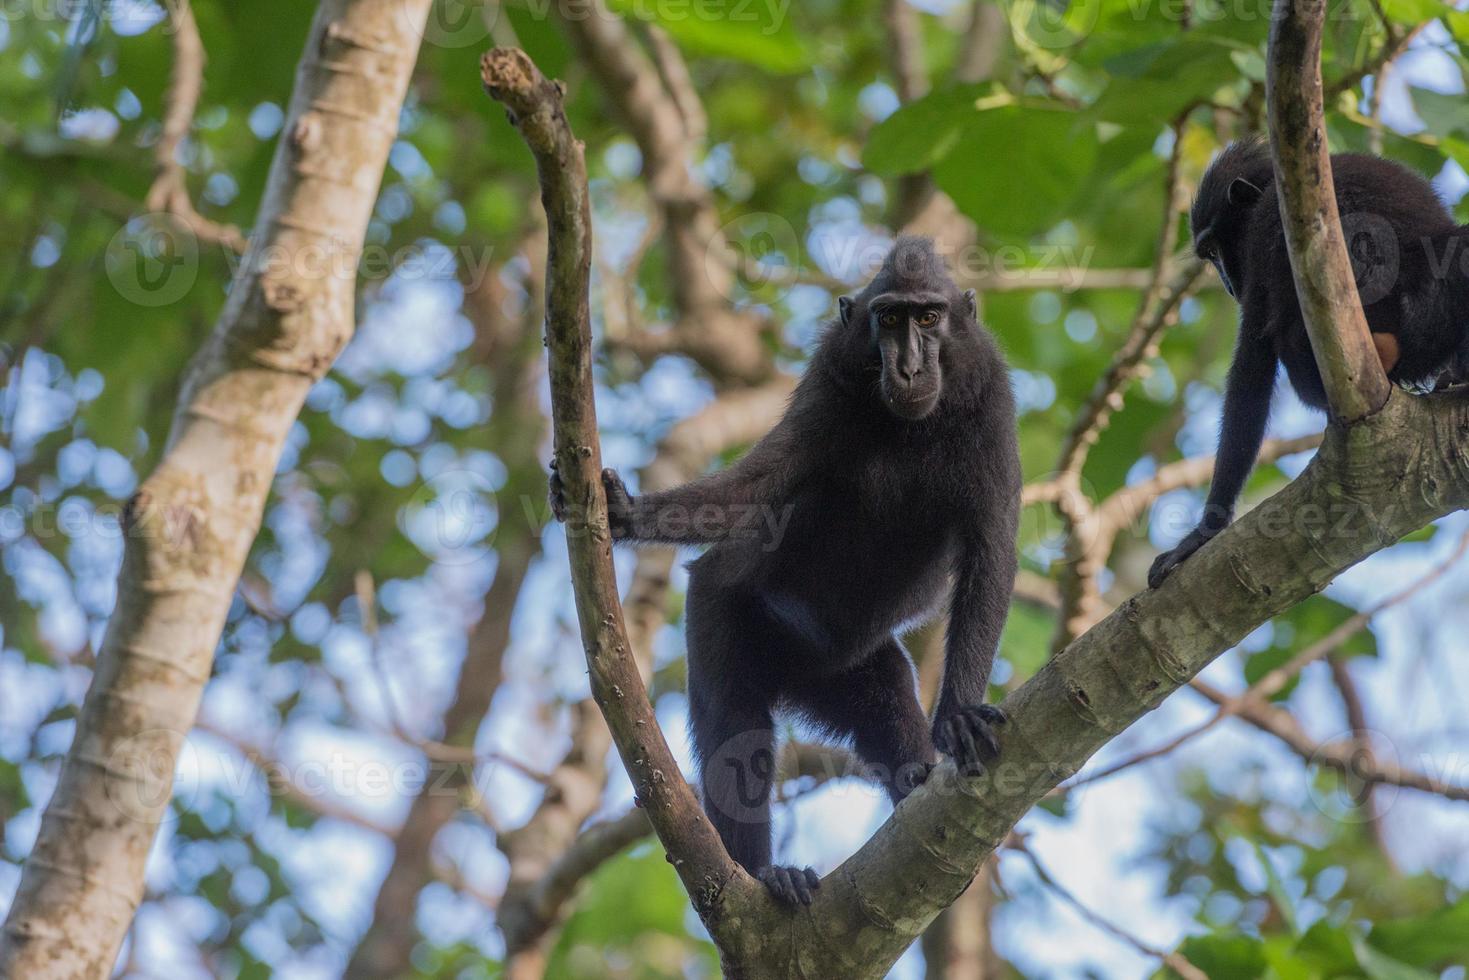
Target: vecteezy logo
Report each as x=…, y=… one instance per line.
x=140, y=772
x=742, y=775
x=756, y=250
x=451, y=518
x=1372, y=245
x=151, y=261
x=1344, y=797
x=452, y=23
x=1051, y=25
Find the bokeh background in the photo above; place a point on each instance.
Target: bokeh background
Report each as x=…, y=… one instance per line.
x=399, y=694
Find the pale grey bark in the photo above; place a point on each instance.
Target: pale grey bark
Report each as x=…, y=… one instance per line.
x=189, y=527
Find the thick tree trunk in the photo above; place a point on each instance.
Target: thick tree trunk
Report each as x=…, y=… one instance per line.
x=189, y=526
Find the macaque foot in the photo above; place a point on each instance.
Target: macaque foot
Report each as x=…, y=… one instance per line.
x=910, y=777
x=967, y=735
x=789, y=885
x=1165, y=563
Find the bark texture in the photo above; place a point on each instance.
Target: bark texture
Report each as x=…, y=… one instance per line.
x=189, y=527
x=535, y=106
x=1325, y=283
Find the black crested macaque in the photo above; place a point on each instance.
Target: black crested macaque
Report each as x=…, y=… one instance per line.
x=891, y=483
x=1409, y=259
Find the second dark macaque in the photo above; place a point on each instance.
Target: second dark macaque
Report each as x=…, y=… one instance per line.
x=889, y=491
x=1411, y=263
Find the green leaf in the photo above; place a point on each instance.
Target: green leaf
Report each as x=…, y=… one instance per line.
x=1379, y=966
x=1284, y=963
x=634, y=904
x=1437, y=939
x=920, y=133
x=1414, y=12
x=1421, y=535
x=1225, y=956
x=1271, y=658
x=1444, y=115
x=756, y=33
x=1458, y=21
x=1157, y=81
x=1015, y=169
x=1328, y=950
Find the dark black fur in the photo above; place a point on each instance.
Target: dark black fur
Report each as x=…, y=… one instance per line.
x=897, y=468
x=1412, y=269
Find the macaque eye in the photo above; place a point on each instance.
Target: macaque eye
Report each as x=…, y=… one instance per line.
x=928, y=318
x=888, y=319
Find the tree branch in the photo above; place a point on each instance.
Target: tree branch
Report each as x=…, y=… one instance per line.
x=189, y=526
x=905, y=49
x=1092, y=528
x=1258, y=694
x=535, y=106
x=1157, y=311
x=1275, y=556
x=980, y=48
x=1325, y=284
x=1356, y=712
x=1125, y=506
x=533, y=906
x=170, y=192
x=1175, y=960
x=534, y=848
x=278, y=780
x=1341, y=755
x=725, y=342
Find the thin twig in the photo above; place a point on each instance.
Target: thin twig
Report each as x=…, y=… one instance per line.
x=169, y=193
x=1356, y=712
x=905, y=49
x=1174, y=960
x=1341, y=756
x=1274, y=681
x=680, y=84
x=367, y=612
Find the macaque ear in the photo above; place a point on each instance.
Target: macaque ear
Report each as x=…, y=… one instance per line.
x=973, y=302
x=844, y=309
x=1242, y=193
